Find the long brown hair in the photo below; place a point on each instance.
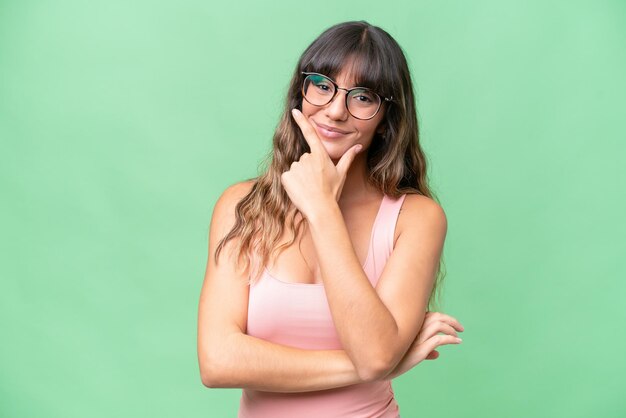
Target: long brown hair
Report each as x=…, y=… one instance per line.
x=395, y=160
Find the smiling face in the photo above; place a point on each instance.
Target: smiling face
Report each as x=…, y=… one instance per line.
x=336, y=127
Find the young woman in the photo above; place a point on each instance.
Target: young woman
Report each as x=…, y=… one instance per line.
x=321, y=270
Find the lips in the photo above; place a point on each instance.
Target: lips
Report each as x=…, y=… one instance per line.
x=331, y=129
x=329, y=132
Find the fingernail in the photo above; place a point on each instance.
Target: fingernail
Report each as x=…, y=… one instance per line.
x=295, y=111
x=459, y=340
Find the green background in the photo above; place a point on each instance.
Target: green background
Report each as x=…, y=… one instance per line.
x=122, y=122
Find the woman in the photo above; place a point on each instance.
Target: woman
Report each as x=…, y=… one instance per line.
x=320, y=328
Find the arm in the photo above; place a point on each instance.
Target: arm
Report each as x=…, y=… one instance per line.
x=230, y=358
x=242, y=361
x=261, y=365
x=227, y=356
x=377, y=326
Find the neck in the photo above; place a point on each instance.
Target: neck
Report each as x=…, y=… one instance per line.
x=356, y=187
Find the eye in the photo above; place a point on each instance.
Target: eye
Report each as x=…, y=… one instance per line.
x=364, y=97
x=322, y=84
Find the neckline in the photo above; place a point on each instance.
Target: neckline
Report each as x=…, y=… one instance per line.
x=367, y=257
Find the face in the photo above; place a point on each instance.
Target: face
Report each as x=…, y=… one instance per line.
x=349, y=130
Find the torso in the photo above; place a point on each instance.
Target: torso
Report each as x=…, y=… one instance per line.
x=298, y=262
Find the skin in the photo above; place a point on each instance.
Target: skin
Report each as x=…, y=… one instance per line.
x=360, y=132
x=385, y=331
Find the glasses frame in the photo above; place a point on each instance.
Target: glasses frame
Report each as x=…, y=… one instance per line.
x=337, y=88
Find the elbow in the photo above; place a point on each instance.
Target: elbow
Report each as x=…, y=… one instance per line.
x=378, y=366
x=211, y=371
x=216, y=365
x=208, y=375
x=374, y=371
x=208, y=380
x=215, y=378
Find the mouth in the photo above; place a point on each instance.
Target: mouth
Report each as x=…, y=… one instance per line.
x=329, y=132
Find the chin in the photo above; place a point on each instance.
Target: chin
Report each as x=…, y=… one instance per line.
x=335, y=151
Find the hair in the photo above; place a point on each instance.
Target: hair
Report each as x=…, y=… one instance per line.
x=395, y=160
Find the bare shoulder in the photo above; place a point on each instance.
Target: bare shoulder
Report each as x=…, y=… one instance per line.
x=421, y=215
x=224, y=296
x=224, y=210
x=235, y=192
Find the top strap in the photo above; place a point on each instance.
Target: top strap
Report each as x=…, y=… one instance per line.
x=384, y=231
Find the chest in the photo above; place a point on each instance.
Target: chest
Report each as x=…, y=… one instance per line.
x=298, y=263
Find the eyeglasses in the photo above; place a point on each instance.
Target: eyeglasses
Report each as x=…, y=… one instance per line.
x=361, y=102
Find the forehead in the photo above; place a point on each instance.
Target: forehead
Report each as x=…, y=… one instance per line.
x=347, y=71
x=345, y=78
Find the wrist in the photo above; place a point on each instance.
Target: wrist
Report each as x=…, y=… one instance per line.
x=323, y=211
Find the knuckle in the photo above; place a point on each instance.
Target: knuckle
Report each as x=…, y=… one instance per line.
x=449, y=330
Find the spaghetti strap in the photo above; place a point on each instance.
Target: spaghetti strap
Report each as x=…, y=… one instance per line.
x=298, y=315
x=382, y=236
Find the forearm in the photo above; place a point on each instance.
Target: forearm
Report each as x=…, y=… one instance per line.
x=364, y=324
x=248, y=362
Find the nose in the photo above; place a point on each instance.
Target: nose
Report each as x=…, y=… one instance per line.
x=337, y=109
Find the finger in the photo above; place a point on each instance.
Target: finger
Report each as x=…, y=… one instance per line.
x=442, y=327
x=433, y=329
x=308, y=131
x=438, y=316
x=346, y=159
x=438, y=340
x=432, y=355
x=450, y=320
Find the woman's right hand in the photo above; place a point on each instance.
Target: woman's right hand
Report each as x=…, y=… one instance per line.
x=427, y=340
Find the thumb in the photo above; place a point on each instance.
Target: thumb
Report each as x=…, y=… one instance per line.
x=432, y=355
x=346, y=159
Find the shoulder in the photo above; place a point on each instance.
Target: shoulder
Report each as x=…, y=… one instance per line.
x=224, y=210
x=421, y=215
x=233, y=194
x=417, y=205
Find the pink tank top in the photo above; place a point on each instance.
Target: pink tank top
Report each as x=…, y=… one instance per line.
x=298, y=315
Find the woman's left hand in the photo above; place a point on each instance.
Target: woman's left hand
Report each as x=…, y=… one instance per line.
x=427, y=340
x=314, y=180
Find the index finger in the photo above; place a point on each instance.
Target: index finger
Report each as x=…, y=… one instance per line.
x=310, y=136
x=450, y=320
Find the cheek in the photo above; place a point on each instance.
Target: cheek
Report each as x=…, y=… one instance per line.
x=307, y=108
x=367, y=130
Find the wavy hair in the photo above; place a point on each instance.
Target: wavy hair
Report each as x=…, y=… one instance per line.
x=395, y=160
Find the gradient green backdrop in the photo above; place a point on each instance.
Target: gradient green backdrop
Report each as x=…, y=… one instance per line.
x=121, y=122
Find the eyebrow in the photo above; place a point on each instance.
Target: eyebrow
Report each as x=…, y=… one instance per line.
x=333, y=80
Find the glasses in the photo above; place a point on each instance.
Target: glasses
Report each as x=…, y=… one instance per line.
x=361, y=102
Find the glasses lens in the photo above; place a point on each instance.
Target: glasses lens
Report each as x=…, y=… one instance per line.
x=363, y=103
x=317, y=89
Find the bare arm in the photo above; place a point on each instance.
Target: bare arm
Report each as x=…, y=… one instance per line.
x=230, y=358
x=376, y=326
x=243, y=361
